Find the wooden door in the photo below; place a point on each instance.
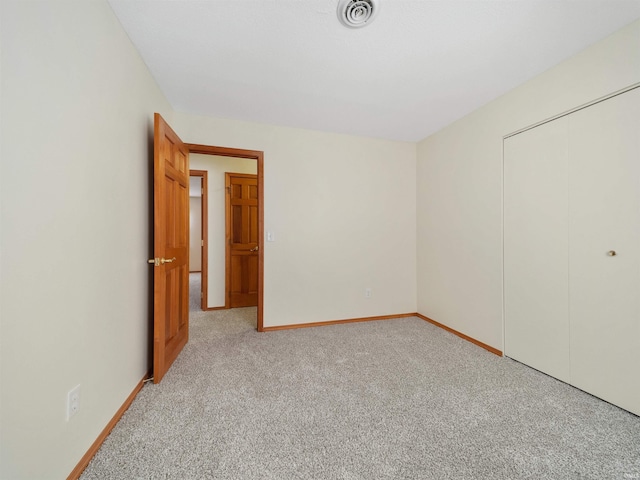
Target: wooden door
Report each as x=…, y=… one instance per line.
x=604, y=212
x=536, y=298
x=171, y=247
x=242, y=239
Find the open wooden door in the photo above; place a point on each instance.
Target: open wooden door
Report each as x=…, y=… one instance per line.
x=171, y=247
x=242, y=239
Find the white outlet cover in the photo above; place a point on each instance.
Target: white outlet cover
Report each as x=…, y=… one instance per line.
x=73, y=402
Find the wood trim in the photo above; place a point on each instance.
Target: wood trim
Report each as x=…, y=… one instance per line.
x=259, y=157
x=205, y=240
x=337, y=322
x=489, y=348
x=204, y=301
x=216, y=308
x=260, y=160
x=223, y=151
x=93, y=449
x=227, y=238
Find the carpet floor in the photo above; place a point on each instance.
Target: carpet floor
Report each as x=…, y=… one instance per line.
x=395, y=399
x=195, y=289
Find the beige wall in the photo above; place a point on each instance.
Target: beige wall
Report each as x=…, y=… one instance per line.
x=459, y=177
x=195, y=234
x=342, y=209
x=77, y=117
x=216, y=167
x=77, y=105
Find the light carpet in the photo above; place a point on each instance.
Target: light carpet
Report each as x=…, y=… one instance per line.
x=395, y=399
x=195, y=289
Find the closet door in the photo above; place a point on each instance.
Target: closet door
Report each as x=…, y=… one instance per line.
x=604, y=213
x=536, y=298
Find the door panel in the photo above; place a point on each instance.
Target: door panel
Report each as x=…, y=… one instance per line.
x=243, y=239
x=171, y=247
x=536, y=248
x=253, y=225
x=604, y=214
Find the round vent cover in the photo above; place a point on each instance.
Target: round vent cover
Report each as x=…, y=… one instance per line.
x=357, y=13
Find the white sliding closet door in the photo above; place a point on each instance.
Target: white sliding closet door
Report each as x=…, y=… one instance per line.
x=604, y=216
x=572, y=249
x=536, y=288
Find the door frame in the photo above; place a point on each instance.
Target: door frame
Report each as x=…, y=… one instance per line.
x=204, y=222
x=258, y=156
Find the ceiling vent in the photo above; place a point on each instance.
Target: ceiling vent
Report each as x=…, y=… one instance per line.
x=357, y=13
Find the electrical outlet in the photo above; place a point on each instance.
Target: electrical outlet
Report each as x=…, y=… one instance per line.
x=73, y=402
x=368, y=293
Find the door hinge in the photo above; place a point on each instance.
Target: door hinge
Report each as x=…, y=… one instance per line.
x=202, y=191
x=229, y=189
x=202, y=243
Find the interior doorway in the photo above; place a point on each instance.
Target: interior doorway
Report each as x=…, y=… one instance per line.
x=215, y=237
x=198, y=241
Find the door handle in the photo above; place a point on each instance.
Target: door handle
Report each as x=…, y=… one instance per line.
x=160, y=261
x=612, y=253
x=255, y=249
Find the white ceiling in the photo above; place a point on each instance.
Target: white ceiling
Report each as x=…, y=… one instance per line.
x=417, y=67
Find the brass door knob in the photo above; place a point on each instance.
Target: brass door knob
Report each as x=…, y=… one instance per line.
x=612, y=253
x=255, y=249
x=167, y=260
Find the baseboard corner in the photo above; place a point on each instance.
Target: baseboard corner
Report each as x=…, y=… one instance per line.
x=480, y=344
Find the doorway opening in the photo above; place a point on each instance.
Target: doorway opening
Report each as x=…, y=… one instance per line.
x=198, y=241
x=216, y=162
